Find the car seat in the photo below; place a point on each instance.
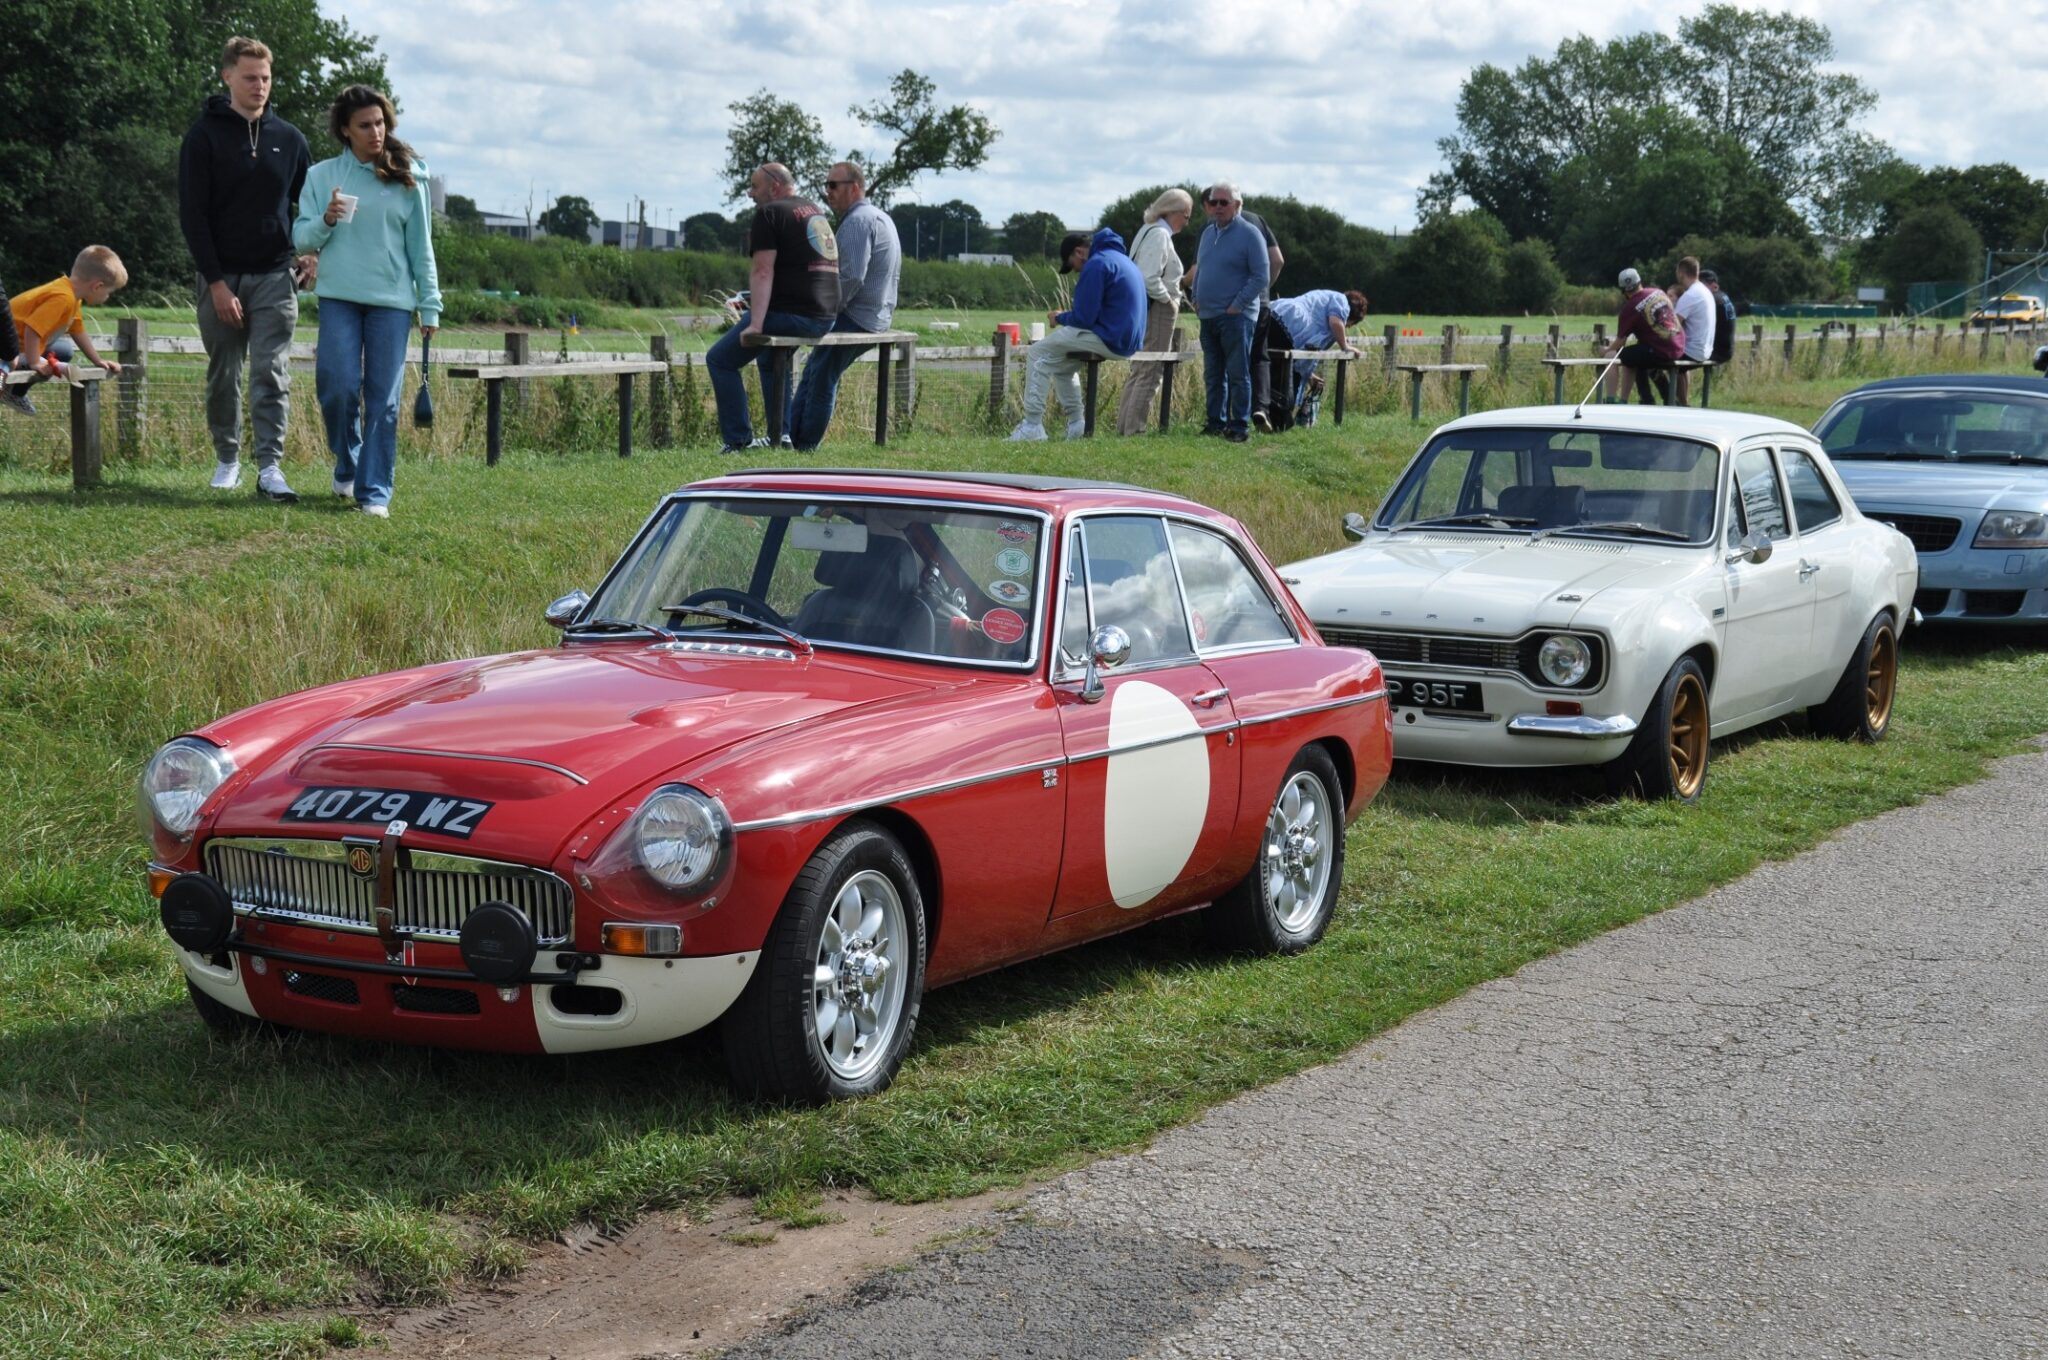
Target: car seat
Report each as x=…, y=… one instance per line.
x=870, y=599
x=1549, y=506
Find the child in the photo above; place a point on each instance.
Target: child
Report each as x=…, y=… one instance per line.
x=44, y=317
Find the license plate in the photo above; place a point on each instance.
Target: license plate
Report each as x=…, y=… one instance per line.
x=1413, y=691
x=426, y=811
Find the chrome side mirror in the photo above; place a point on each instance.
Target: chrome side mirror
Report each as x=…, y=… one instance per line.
x=561, y=613
x=1354, y=525
x=1755, y=547
x=1108, y=648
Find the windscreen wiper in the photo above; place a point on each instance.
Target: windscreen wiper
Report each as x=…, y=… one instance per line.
x=798, y=643
x=1478, y=517
x=1619, y=526
x=615, y=626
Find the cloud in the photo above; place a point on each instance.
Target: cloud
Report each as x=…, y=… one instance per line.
x=1340, y=102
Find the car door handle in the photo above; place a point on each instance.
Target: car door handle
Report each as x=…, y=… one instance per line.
x=1209, y=698
x=1807, y=568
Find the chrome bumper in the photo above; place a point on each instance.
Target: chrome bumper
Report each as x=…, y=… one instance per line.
x=1572, y=729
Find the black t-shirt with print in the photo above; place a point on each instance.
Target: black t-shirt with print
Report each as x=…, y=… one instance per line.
x=806, y=256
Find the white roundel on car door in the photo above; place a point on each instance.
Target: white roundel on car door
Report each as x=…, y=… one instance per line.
x=1156, y=796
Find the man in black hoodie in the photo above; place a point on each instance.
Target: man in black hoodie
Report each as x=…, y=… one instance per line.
x=239, y=176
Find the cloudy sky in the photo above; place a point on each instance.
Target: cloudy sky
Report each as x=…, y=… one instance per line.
x=1339, y=102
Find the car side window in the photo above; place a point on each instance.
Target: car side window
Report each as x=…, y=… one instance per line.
x=1813, y=501
x=1763, y=503
x=1131, y=584
x=1227, y=603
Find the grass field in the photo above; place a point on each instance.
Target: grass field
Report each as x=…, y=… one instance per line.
x=170, y=1194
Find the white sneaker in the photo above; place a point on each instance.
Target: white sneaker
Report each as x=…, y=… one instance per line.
x=1029, y=432
x=270, y=482
x=376, y=511
x=347, y=489
x=1077, y=427
x=226, y=476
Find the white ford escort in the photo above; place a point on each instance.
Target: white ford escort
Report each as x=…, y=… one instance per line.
x=1616, y=585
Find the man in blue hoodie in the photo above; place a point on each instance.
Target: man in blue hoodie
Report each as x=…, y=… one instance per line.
x=1106, y=320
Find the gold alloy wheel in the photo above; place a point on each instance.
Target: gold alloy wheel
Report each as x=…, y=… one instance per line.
x=1881, y=681
x=1685, y=741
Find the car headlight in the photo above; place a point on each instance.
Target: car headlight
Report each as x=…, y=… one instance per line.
x=681, y=837
x=2012, y=529
x=179, y=779
x=1564, y=660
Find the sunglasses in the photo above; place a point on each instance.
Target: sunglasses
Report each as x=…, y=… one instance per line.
x=1219, y=202
x=837, y=183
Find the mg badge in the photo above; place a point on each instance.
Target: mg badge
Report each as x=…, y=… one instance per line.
x=362, y=860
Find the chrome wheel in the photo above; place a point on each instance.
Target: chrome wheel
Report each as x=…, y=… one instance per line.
x=1296, y=858
x=858, y=975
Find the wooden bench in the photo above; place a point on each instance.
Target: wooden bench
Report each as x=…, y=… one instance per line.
x=1417, y=372
x=888, y=345
x=1558, y=366
x=1340, y=356
x=495, y=376
x=85, y=416
x=1171, y=358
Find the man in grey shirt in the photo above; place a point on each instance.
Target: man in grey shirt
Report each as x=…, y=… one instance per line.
x=870, y=260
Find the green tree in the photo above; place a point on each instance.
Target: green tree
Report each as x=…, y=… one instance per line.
x=463, y=212
x=1756, y=268
x=1928, y=245
x=570, y=217
x=1451, y=264
x=1530, y=278
x=767, y=129
x=928, y=138
x=710, y=231
x=1322, y=249
x=1999, y=201
x=1033, y=235
x=932, y=231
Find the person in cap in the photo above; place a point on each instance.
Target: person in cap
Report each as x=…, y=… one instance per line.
x=1647, y=319
x=1106, y=320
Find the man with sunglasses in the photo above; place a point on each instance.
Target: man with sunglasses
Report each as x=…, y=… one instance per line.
x=1232, y=270
x=870, y=261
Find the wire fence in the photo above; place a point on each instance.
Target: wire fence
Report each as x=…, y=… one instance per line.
x=155, y=414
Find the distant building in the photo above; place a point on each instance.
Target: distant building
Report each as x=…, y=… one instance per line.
x=984, y=259
x=518, y=228
x=635, y=236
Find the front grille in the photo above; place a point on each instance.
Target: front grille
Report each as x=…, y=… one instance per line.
x=1430, y=649
x=1930, y=601
x=1992, y=604
x=307, y=880
x=321, y=987
x=1930, y=533
x=434, y=1000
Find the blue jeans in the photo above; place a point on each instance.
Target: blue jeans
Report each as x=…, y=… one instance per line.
x=810, y=405
x=357, y=374
x=724, y=360
x=1226, y=370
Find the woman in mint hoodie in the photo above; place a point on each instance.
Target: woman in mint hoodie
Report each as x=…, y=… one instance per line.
x=367, y=213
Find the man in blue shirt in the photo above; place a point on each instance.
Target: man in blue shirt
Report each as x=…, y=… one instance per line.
x=1231, y=270
x=870, y=260
x=1106, y=320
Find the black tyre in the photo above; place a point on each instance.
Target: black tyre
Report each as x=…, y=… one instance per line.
x=833, y=1003
x=1860, y=709
x=1668, y=757
x=219, y=1017
x=1284, y=904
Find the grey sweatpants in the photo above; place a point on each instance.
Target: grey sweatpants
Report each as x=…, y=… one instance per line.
x=270, y=311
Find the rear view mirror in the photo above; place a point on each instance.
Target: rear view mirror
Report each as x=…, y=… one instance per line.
x=1354, y=525
x=1755, y=548
x=562, y=612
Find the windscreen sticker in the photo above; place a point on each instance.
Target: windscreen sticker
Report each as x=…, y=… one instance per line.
x=1013, y=562
x=1003, y=625
x=1008, y=591
x=424, y=811
x=1014, y=533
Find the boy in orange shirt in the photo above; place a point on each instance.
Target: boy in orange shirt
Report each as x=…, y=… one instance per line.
x=50, y=320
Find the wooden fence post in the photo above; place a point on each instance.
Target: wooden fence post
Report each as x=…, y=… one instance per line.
x=1852, y=341
x=1939, y=328
x=1984, y=344
x=134, y=404
x=1790, y=333
x=1881, y=328
x=1450, y=344
x=1756, y=345
x=1393, y=351
x=85, y=436
x=516, y=352
x=904, y=380
x=1599, y=337
x=999, y=377
x=1550, y=343
x=1507, y=347
x=660, y=433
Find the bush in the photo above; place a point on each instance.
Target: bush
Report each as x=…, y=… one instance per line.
x=1530, y=279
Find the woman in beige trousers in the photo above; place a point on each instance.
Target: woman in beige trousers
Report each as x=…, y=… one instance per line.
x=1152, y=251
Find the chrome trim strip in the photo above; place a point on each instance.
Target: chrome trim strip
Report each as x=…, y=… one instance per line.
x=1368, y=697
x=447, y=755
x=1574, y=729
x=693, y=645
x=816, y=814
x=1109, y=751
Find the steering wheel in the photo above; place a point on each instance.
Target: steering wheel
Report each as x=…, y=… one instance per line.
x=741, y=600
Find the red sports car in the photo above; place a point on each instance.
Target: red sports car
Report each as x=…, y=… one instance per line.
x=820, y=740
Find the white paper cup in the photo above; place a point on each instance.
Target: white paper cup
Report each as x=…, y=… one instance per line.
x=348, y=207
x=1038, y=330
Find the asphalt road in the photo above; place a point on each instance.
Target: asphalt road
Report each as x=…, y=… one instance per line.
x=1806, y=1115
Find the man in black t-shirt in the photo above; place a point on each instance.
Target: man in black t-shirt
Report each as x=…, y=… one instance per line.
x=793, y=290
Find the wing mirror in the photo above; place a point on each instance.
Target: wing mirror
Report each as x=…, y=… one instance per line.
x=561, y=613
x=1755, y=547
x=1108, y=648
x=1354, y=525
